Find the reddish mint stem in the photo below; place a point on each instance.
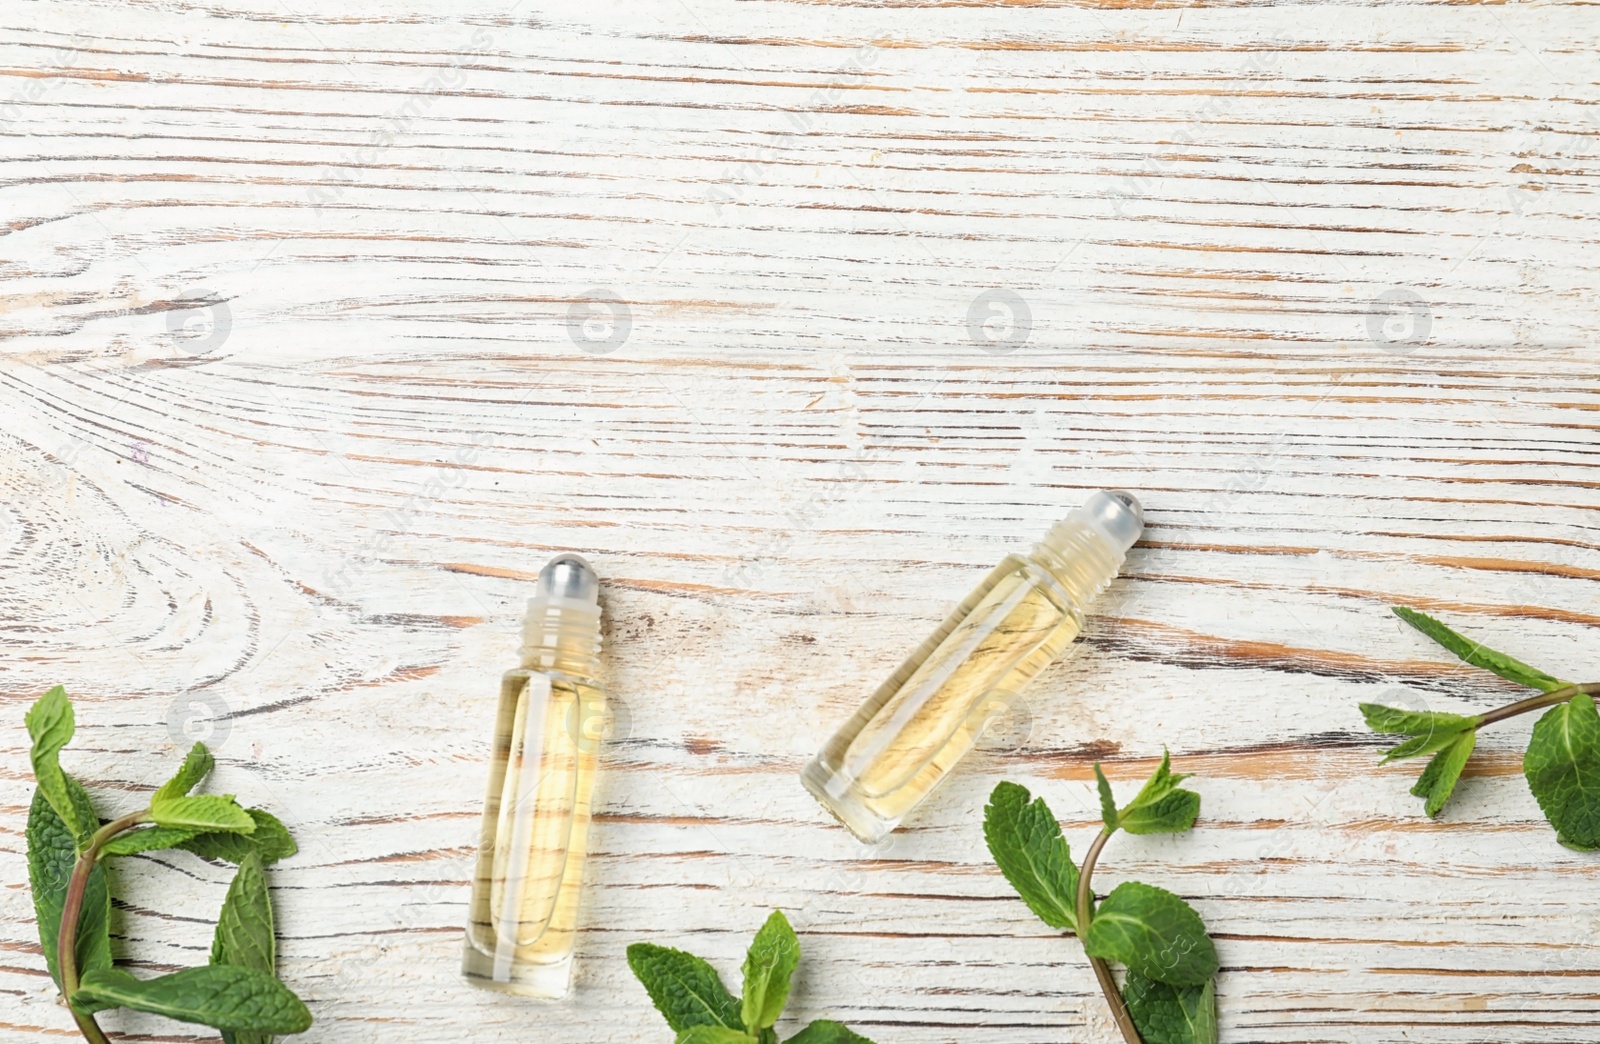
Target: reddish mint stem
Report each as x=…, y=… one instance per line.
x=72, y=909
x=1543, y=700
x=1102, y=970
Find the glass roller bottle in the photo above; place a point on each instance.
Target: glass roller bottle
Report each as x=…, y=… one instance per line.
x=522, y=923
x=906, y=738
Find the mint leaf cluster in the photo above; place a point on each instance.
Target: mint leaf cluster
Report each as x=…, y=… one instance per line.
x=700, y=1010
x=1169, y=994
x=1562, y=763
x=238, y=991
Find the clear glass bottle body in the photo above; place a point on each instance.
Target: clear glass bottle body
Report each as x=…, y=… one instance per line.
x=522, y=924
x=904, y=740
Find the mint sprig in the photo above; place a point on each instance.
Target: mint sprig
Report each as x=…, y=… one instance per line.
x=238, y=991
x=1562, y=763
x=1170, y=993
x=699, y=1009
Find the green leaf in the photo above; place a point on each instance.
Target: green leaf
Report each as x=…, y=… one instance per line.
x=1161, y=782
x=51, y=724
x=147, y=839
x=1419, y=745
x=196, y=766
x=1172, y=1014
x=52, y=853
x=1108, y=804
x=1562, y=766
x=216, y=995
x=1382, y=718
x=1154, y=933
x=1476, y=654
x=714, y=1035
x=245, y=937
x=270, y=840
x=1027, y=845
x=1438, y=780
x=685, y=989
x=1172, y=814
x=1161, y=806
x=1436, y=737
x=824, y=1031
x=202, y=812
x=1430, y=731
x=774, y=955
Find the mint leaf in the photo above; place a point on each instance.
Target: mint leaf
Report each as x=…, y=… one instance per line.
x=1172, y=814
x=714, y=1035
x=1161, y=806
x=1438, y=780
x=1382, y=718
x=774, y=955
x=1154, y=933
x=1436, y=740
x=824, y=1031
x=52, y=853
x=196, y=766
x=270, y=840
x=1429, y=730
x=684, y=988
x=1478, y=655
x=1027, y=845
x=202, y=812
x=1562, y=766
x=1172, y=1014
x=216, y=995
x=1108, y=804
x=147, y=839
x=1161, y=782
x=51, y=724
x=245, y=937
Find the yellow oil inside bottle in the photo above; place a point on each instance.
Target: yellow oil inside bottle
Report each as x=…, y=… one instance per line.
x=933, y=710
x=522, y=927
x=906, y=738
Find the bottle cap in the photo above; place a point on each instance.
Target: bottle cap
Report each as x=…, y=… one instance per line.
x=1115, y=515
x=563, y=621
x=569, y=577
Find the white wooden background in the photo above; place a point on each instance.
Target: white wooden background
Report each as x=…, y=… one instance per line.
x=324, y=324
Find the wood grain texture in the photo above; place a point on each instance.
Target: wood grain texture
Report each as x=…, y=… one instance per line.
x=322, y=326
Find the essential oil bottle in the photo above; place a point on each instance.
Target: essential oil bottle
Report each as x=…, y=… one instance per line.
x=523, y=920
x=907, y=737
